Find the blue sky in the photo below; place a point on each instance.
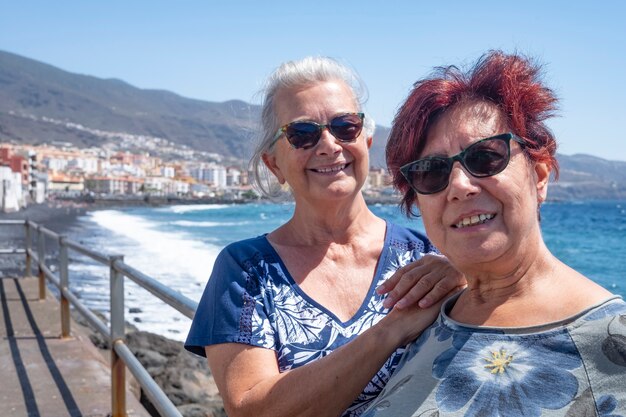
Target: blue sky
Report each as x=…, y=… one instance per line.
x=218, y=51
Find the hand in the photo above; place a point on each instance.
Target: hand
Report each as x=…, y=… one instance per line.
x=406, y=324
x=423, y=282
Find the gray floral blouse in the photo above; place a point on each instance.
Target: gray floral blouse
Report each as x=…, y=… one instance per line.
x=576, y=367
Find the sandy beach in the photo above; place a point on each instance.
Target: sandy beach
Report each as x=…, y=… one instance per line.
x=55, y=216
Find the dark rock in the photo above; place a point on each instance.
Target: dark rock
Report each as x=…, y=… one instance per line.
x=99, y=341
x=196, y=410
x=183, y=377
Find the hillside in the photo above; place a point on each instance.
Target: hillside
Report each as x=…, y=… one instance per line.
x=40, y=103
x=586, y=177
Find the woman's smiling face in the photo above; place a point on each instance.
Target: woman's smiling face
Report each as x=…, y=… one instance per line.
x=478, y=220
x=332, y=169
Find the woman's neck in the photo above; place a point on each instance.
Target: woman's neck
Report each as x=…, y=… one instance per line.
x=340, y=223
x=515, y=278
x=539, y=289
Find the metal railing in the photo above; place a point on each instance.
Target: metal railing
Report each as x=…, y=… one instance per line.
x=121, y=356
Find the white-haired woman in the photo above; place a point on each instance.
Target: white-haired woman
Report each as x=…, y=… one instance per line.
x=292, y=322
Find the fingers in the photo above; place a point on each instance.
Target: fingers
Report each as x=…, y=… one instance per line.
x=400, y=283
x=411, y=287
x=413, y=319
x=425, y=282
x=431, y=288
x=445, y=280
x=390, y=283
x=449, y=284
x=410, y=322
x=410, y=283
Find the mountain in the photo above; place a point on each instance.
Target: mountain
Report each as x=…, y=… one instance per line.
x=586, y=177
x=40, y=103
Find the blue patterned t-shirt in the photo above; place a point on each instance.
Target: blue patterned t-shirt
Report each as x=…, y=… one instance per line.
x=251, y=299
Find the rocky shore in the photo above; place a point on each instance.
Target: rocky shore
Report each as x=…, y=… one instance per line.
x=184, y=377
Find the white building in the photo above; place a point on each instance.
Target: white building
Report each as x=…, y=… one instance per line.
x=11, y=193
x=181, y=187
x=213, y=174
x=86, y=165
x=168, y=171
x=233, y=177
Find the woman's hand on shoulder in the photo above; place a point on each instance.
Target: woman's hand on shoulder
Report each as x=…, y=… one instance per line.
x=423, y=282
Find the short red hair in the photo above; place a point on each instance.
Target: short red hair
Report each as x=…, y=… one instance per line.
x=510, y=81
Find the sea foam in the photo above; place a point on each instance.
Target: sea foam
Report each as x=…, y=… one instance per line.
x=165, y=254
x=194, y=207
x=174, y=258
x=188, y=223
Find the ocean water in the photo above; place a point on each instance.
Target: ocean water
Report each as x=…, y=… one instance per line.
x=178, y=244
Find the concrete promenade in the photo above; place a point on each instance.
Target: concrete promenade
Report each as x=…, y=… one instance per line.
x=42, y=374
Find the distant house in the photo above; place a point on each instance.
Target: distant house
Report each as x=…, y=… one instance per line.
x=157, y=185
x=213, y=174
x=64, y=184
x=114, y=185
x=164, y=186
x=378, y=178
x=14, y=180
x=11, y=192
x=233, y=177
x=201, y=190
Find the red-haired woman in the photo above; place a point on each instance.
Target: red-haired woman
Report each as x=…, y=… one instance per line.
x=529, y=336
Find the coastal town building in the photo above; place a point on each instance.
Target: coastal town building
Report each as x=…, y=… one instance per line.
x=60, y=183
x=211, y=173
x=108, y=185
x=11, y=194
x=31, y=174
x=233, y=177
x=378, y=178
x=14, y=179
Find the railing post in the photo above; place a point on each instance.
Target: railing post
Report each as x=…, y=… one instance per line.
x=41, y=254
x=118, y=368
x=65, y=286
x=28, y=237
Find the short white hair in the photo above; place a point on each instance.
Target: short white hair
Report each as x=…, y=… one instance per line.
x=291, y=74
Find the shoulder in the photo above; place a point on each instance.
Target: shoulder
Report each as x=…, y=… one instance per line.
x=605, y=311
x=408, y=239
x=601, y=330
x=600, y=339
x=248, y=250
x=243, y=260
x=253, y=244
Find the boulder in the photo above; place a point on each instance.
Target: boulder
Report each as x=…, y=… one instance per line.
x=185, y=378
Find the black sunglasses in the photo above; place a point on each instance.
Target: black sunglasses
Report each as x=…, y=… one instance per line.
x=304, y=134
x=484, y=158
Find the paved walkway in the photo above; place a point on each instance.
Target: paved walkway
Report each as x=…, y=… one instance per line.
x=42, y=374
